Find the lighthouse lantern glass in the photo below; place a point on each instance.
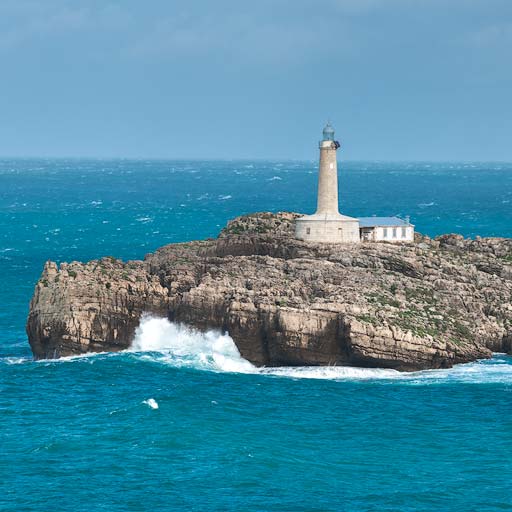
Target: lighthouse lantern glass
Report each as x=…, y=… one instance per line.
x=328, y=132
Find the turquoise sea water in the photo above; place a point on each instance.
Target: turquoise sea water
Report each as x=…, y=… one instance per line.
x=181, y=422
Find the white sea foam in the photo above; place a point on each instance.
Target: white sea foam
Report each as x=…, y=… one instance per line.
x=331, y=372
x=182, y=346
x=15, y=360
x=159, y=340
x=88, y=357
x=151, y=403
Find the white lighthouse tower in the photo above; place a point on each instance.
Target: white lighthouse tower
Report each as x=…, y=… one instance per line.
x=327, y=225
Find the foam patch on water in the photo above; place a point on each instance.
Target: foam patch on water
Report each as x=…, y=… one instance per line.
x=331, y=372
x=151, y=403
x=489, y=371
x=159, y=340
x=16, y=360
x=87, y=357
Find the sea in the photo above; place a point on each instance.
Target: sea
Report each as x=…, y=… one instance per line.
x=180, y=421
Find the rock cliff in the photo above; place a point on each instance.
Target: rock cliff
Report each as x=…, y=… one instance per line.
x=430, y=304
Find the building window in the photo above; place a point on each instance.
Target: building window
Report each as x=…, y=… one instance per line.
x=404, y=232
x=394, y=232
x=385, y=232
x=308, y=231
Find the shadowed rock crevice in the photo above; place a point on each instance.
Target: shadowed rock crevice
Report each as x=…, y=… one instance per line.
x=429, y=304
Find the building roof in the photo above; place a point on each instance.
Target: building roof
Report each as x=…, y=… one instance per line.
x=323, y=217
x=370, y=222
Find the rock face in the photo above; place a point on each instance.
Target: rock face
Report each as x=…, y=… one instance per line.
x=92, y=307
x=430, y=304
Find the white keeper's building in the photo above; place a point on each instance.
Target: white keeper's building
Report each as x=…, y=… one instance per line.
x=328, y=225
x=386, y=229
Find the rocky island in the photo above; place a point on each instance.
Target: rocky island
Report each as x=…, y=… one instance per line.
x=408, y=306
x=321, y=289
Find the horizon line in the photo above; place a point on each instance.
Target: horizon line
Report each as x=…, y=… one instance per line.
x=247, y=159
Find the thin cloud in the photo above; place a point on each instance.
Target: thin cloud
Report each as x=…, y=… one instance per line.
x=492, y=36
x=31, y=21
x=43, y=26
x=250, y=36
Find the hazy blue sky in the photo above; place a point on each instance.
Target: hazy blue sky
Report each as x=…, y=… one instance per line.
x=400, y=79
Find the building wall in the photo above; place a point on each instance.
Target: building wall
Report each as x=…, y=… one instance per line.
x=380, y=232
x=327, y=231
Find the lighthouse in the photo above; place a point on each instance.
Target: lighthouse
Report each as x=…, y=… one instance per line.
x=327, y=202
x=327, y=225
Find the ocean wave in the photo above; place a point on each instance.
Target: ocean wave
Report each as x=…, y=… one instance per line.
x=89, y=357
x=159, y=340
x=15, y=360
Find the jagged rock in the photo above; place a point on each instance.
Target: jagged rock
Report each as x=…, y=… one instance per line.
x=429, y=304
x=92, y=307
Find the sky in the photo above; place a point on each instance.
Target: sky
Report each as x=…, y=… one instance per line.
x=230, y=79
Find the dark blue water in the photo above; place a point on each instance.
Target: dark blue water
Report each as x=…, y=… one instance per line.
x=83, y=434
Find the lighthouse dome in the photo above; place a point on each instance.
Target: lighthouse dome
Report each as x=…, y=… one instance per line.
x=328, y=132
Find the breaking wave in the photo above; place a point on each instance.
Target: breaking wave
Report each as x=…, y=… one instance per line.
x=159, y=340
x=182, y=346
